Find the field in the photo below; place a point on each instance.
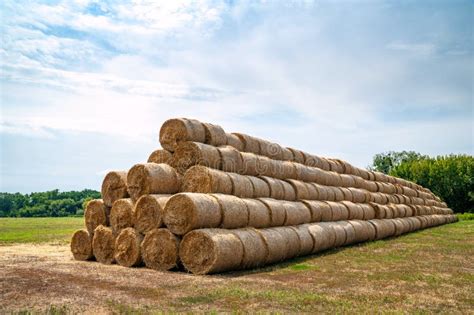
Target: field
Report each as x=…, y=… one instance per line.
x=428, y=271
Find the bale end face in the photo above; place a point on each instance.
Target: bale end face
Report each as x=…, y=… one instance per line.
x=103, y=244
x=81, y=245
x=114, y=187
x=160, y=249
x=127, y=248
x=96, y=213
x=177, y=130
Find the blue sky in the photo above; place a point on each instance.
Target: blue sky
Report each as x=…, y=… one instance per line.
x=85, y=85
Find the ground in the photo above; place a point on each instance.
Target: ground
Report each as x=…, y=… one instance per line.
x=429, y=271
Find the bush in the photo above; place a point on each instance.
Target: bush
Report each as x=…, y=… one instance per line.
x=465, y=216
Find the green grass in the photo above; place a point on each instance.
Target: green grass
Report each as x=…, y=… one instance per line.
x=466, y=216
x=38, y=230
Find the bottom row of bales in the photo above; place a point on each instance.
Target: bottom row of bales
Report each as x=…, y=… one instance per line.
x=205, y=251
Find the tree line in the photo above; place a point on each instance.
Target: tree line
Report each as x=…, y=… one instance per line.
x=451, y=177
x=45, y=204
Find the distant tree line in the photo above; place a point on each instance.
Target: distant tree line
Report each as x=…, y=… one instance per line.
x=45, y=204
x=451, y=177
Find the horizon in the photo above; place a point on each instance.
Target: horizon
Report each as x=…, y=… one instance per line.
x=86, y=85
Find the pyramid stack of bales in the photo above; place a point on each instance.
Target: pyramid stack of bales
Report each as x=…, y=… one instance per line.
x=212, y=201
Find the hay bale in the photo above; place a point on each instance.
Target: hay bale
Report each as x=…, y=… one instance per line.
x=330, y=193
x=234, y=211
x=277, y=190
x=320, y=210
x=81, y=245
x=270, y=149
x=250, y=164
x=188, y=211
x=368, y=211
x=321, y=191
x=383, y=228
x=362, y=230
x=160, y=249
x=160, y=156
x=340, y=233
x=370, y=186
x=127, y=248
x=103, y=245
x=241, y=185
x=312, y=160
x=350, y=232
x=214, y=135
x=234, y=141
x=355, y=212
x=177, y=130
x=347, y=180
x=298, y=156
x=307, y=174
x=333, y=179
x=277, y=211
x=250, y=144
x=399, y=227
x=347, y=193
x=335, y=166
x=152, y=178
x=289, y=191
x=188, y=154
x=286, y=170
x=202, y=179
x=339, y=211
x=358, y=195
x=296, y=213
x=259, y=213
x=121, y=215
x=282, y=243
x=323, y=236
x=96, y=213
x=260, y=187
x=148, y=212
x=211, y=250
x=338, y=193
x=255, y=250
x=114, y=187
x=305, y=238
x=231, y=160
x=302, y=189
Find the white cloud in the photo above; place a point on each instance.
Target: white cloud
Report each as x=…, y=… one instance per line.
x=416, y=48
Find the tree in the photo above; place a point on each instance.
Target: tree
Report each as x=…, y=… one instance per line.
x=385, y=162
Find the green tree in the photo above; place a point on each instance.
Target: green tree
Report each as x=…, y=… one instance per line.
x=385, y=162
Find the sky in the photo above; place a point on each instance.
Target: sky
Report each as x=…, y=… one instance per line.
x=85, y=85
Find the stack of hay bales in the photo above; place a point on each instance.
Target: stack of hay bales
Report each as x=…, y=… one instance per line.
x=212, y=201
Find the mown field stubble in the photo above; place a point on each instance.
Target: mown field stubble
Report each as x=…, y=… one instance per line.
x=423, y=272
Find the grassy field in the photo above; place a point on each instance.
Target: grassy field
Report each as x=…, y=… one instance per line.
x=38, y=230
x=429, y=271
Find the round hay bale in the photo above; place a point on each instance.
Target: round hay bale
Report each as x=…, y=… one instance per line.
x=362, y=231
x=231, y=160
x=234, y=211
x=347, y=193
x=296, y=213
x=286, y=170
x=370, y=186
x=282, y=243
x=339, y=233
x=338, y=193
x=305, y=173
x=389, y=212
x=289, y=191
x=103, y=245
x=301, y=189
x=206, y=180
x=358, y=195
x=277, y=190
x=312, y=160
x=355, y=212
x=160, y=156
x=270, y=149
x=298, y=156
x=81, y=245
x=306, y=240
x=114, y=187
x=259, y=214
x=160, y=249
x=349, y=230
x=241, y=185
x=347, y=180
x=321, y=191
x=399, y=226
x=292, y=240
x=177, y=130
x=267, y=166
x=251, y=144
x=333, y=179
x=234, y=141
x=214, y=135
x=254, y=247
x=286, y=154
x=277, y=211
x=368, y=211
x=127, y=248
x=330, y=193
x=383, y=228
x=260, y=187
x=336, y=166
x=338, y=211
x=325, y=164
x=250, y=164
x=323, y=236
x=188, y=211
x=320, y=210
x=380, y=210
x=96, y=213
x=211, y=250
x=188, y=154
x=148, y=212
x=359, y=182
x=121, y=215
x=152, y=178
